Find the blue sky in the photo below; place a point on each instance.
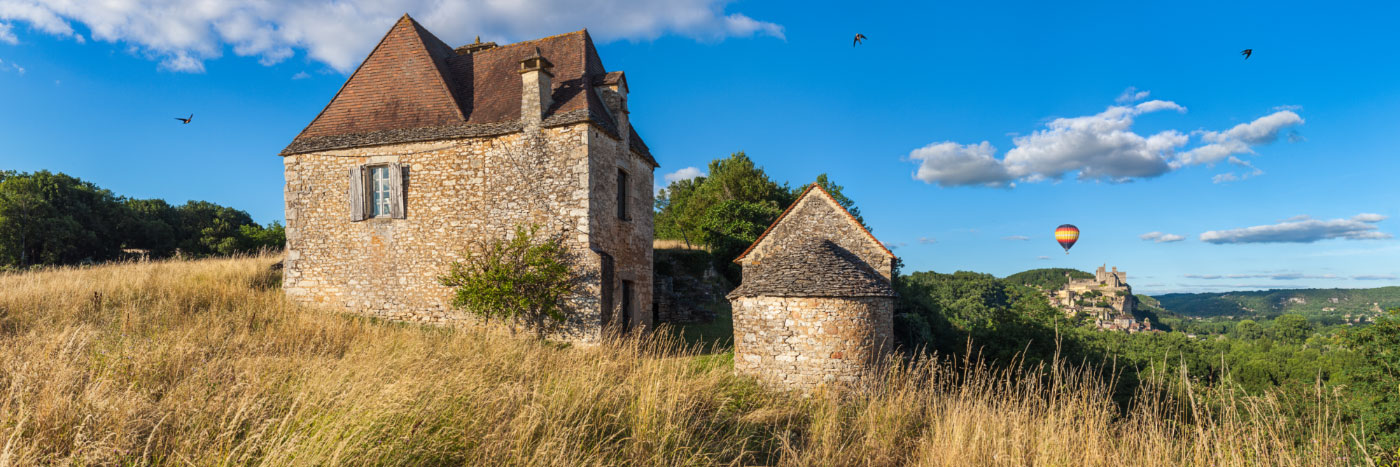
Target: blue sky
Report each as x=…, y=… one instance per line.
x=1052, y=88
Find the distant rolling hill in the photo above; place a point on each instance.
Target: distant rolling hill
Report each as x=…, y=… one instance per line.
x=1046, y=278
x=1317, y=304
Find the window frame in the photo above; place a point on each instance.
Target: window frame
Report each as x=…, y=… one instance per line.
x=380, y=187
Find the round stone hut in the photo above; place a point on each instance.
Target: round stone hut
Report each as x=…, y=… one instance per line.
x=816, y=304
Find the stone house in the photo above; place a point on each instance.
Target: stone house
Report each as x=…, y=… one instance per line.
x=428, y=151
x=816, y=303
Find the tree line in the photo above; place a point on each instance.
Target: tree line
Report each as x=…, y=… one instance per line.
x=51, y=218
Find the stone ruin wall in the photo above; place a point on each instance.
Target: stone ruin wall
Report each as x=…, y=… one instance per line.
x=458, y=194
x=804, y=342
x=816, y=216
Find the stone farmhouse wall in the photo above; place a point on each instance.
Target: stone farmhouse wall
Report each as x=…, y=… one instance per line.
x=803, y=342
x=459, y=194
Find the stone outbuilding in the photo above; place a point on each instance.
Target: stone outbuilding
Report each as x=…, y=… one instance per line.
x=816, y=303
x=428, y=151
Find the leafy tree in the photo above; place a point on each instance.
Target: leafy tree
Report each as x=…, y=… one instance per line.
x=725, y=211
x=48, y=218
x=524, y=278
x=1250, y=330
x=1375, y=379
x=1293, y=329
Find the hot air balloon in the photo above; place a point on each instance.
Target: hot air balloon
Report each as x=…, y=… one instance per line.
x=1067, y=234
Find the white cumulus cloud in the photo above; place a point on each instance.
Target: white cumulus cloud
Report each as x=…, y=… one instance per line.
x=182, y=34
x=1101, y=147
x=1303, y=229
x=1160, y=237
x=683, y=174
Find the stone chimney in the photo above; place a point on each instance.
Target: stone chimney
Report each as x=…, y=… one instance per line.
x=535, y=89
x=474, y=47
x=613, y=92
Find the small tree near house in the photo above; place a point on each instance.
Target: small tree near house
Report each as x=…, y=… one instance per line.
x=524, y=279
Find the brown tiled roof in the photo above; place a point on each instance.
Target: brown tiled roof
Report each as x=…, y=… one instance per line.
x=414, y=87
x=813, y=268
x=794, y=205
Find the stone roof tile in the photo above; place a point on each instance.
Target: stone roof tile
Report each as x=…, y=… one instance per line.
x=813, y=268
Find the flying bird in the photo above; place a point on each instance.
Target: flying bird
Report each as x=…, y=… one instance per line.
x=1247, y=53
x=185, y=121
x=859, y=37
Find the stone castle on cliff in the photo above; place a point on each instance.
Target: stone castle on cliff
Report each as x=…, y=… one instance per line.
x=1106, y=298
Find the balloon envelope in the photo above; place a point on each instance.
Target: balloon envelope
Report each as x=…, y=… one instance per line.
x=1067, y=234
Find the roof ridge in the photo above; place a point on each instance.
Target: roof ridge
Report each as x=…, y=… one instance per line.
x=513, y=44
x=794, y=204
x=441, y=66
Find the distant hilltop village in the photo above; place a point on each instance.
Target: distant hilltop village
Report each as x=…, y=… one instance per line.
x=1107, y=297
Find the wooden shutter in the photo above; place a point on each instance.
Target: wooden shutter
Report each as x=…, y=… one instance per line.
x=396, y=192
x=357, y=194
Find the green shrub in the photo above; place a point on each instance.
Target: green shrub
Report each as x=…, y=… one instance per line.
x=521, y=279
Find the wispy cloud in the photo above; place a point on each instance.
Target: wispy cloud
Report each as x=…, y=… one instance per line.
x=1302, y=229
x=927, y=240
x=895, y=245
x=11, y=66
x=7, y=34
x=1375, y=277
x=181, y=35
x=1160, y=237
x=1132, y=94
x=1016, y=238
x=1100, y=147
x=301, y=75
x=1042, y=258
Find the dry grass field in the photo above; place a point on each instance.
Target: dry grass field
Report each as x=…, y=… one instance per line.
x=204, y=363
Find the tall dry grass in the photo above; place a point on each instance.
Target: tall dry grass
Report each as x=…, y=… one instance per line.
x=205, y=363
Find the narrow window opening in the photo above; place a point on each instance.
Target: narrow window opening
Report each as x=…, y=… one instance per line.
x=622, y=195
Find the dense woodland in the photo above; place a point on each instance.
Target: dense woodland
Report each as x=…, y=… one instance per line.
x=1295, y=351
x=55, y=219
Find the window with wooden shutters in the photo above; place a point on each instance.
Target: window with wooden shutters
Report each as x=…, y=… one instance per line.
x=377, y=191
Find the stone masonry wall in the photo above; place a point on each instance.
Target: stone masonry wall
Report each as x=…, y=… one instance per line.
x=803, y=342
x=817, y=216
x=459, y=194
x=627, y=240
